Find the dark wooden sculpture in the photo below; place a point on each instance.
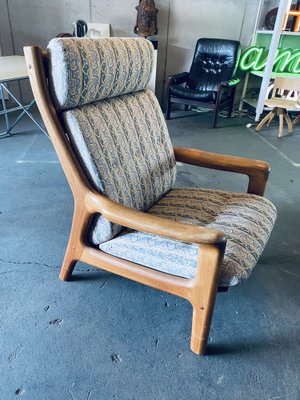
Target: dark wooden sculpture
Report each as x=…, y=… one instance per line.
x=146, y=21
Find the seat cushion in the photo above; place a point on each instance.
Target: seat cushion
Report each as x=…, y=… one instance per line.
x=192, y=94
x=185, y=92
x=282, y=103
x=124, y=148
x=247, y=221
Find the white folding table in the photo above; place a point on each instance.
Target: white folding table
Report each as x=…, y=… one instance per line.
x=13, y=68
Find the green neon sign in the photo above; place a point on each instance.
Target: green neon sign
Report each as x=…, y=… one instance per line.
x=255, y=59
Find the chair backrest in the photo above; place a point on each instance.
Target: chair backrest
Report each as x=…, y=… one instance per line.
x=114, y=123
x=215, y=61
x=286, y=86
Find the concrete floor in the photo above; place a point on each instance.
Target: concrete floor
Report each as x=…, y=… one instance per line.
x=105, y=337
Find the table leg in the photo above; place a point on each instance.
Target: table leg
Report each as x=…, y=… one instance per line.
x=25, y=111
x=4, y=108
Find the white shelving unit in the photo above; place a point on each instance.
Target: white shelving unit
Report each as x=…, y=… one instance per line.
x=277, y=37
x=285, y=33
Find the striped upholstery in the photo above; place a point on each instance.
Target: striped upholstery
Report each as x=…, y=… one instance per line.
x=120, y=137
x=247, y=221
x=115, y=125
x=82, y=71
x=125, y=149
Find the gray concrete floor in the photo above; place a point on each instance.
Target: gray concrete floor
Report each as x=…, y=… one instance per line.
x=105, y=337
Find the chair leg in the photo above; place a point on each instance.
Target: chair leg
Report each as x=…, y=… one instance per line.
x=231, y=104
x=204, y=294
x=280, y=114
x=271, y=119
x=230, y=108
x=75, y=246
x=288, y=121
x=215, y=116
x=296, y=120
x=200, y=329
x=168, y=108
x=216, y=109
x=268, y=118
x=67, y=267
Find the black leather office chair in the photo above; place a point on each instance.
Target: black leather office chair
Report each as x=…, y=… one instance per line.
x=210, y=82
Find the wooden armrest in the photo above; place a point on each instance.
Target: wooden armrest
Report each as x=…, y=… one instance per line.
x=150, y=223
x=232, y=82
x=257, y=171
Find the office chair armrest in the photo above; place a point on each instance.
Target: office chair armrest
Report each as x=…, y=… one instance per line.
x=257, y=171
x=231, y=83
x=178, y=79
x=145, y=222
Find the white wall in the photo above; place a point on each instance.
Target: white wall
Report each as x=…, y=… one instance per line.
x=180, y=23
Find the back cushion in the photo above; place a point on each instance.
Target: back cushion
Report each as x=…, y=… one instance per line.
x=124, y=147
x=215, y=61
x=115, y=125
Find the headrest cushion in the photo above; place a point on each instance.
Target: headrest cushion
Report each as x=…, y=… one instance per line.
x=83, y=71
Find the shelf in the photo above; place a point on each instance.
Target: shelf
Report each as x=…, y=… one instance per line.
x=268, y=32
x=275, y=74
x=253, y=103
x=263, y=38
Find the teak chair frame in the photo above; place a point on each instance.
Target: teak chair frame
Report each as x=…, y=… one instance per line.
x=199, y=291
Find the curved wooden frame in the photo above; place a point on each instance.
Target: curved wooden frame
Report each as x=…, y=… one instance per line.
x=199, y=291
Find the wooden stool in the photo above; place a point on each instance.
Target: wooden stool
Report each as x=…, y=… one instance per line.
x=281, y=101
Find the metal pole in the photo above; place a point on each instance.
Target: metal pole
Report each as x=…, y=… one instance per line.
x=282, y=8
x=253, y=39
x=258, y=16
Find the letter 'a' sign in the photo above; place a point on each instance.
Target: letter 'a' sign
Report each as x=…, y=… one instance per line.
x=255, y=59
